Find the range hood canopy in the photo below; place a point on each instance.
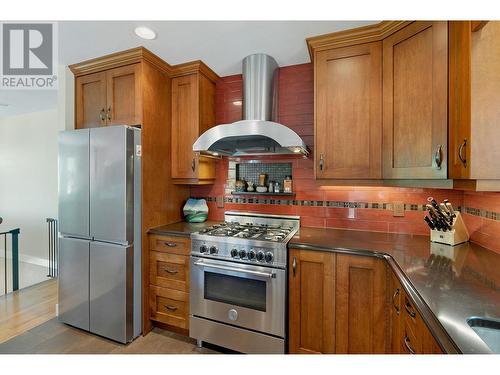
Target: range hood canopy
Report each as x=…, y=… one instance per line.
x=257, y=133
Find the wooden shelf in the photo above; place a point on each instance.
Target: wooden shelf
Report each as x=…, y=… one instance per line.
x=266, y=193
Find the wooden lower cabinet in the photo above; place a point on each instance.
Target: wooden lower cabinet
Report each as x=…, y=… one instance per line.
x=409, y=333
x=361, y=308
x=345, y=304
x=311, y=302
x=169, y=280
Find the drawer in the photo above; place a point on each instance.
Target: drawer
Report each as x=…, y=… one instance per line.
x=170, y=244
x=410, y=339
x=169, y=306
x=169, y=270
x=410, y=313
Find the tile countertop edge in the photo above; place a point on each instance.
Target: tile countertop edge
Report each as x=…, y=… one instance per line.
x=439, y=332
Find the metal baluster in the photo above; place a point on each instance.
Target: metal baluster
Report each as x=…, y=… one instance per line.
x=5, y=261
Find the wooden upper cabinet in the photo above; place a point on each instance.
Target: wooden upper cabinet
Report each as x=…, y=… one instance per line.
x=361, y=308
x=348, y=112
x=311, y=300
x=111, y=97
x=485, y=99
x=124, y=104
x=90, y=98
x=193, y=112
x=415, y=102
x=459, y=98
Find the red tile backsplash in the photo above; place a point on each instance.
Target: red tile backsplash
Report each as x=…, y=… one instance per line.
x=296, y=110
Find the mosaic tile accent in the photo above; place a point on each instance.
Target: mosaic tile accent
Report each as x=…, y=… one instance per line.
x=341, y=204
x=274, y=171
x=364, y=205
x=481, y=213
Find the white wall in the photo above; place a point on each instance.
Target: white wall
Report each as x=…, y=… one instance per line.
x=28, y=178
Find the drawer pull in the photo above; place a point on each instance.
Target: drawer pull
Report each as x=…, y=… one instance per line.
x=169, y=307
x=413, y=314
x=168, y=270
x=170, y=244
x=396, y=293
x=407, y=344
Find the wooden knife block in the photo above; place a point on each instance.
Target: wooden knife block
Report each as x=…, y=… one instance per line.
x=457, y=235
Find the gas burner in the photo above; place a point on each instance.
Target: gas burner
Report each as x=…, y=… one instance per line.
x=258, y=231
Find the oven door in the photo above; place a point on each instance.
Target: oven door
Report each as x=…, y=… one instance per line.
x=242, y=295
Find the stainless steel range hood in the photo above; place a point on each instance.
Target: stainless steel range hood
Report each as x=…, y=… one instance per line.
x=257, y=133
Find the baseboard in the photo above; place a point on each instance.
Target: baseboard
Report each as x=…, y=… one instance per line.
x=31, y=260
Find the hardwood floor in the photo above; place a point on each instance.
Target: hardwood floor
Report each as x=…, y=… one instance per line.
x=27, y=308
x=28, y=325
x=54, y=337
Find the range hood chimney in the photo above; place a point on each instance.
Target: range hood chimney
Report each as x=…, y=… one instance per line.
x=257, y=133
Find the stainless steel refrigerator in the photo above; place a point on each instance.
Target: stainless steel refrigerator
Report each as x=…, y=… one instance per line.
x=100, y=231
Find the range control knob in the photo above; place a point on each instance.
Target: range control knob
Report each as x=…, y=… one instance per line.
x=269, y=257
x=213, y=250
x=242, y=253
x=234, y=253
x=203, y=249
x=260, y=256
x=251, y=254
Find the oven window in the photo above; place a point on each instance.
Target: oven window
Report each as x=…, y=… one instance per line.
x=235, y=290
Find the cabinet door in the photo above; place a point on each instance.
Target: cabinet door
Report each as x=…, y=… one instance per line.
x=124, y=104
x=90, y=94
x=360, y=300
x=348, y=109
x=396, y=292
x=311, y=302
x=185, y=125
x=459, y=99
x=415, y=102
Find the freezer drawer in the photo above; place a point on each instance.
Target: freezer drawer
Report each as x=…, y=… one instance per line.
x=73, y=183
x=111, y=291
x=112, y=184
x=74, y=282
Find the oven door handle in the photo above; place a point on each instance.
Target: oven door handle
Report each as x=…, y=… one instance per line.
x=266, y=275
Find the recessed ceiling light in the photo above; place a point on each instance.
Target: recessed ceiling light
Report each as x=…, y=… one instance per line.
x=237, y=102
x=145, y=32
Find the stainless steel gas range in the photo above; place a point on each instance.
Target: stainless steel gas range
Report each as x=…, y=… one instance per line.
x=238, y=282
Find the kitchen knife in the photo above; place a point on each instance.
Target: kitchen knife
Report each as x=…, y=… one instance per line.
x=450, y=208
x=429, y=222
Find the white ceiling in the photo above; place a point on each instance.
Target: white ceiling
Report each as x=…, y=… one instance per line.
x=220, y=44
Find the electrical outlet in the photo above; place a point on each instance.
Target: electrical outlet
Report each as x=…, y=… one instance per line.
x=220, y=202
x=398, y=209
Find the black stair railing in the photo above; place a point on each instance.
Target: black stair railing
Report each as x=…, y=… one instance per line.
x=14, y=237
x=53, y=264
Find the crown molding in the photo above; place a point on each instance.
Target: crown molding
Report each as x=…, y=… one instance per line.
x=359, y=35
x=114, y=60
x=191, y=67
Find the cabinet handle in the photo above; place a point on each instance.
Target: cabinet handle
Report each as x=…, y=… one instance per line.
x=294, y=265
x=193, y=164
x=460, y=155
x=169, y=307
x=102, y=115
x=438, y=157
x=170, y=244
x=407, y=344
x=109, y=113
x=168, y=270
x=413, y=314
x=396, y=293
x=321, y=162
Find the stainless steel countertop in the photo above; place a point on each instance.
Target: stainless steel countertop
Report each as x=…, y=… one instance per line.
x=448, y=284
x=446, y=292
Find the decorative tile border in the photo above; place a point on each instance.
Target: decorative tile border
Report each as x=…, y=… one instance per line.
x=340, y=204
